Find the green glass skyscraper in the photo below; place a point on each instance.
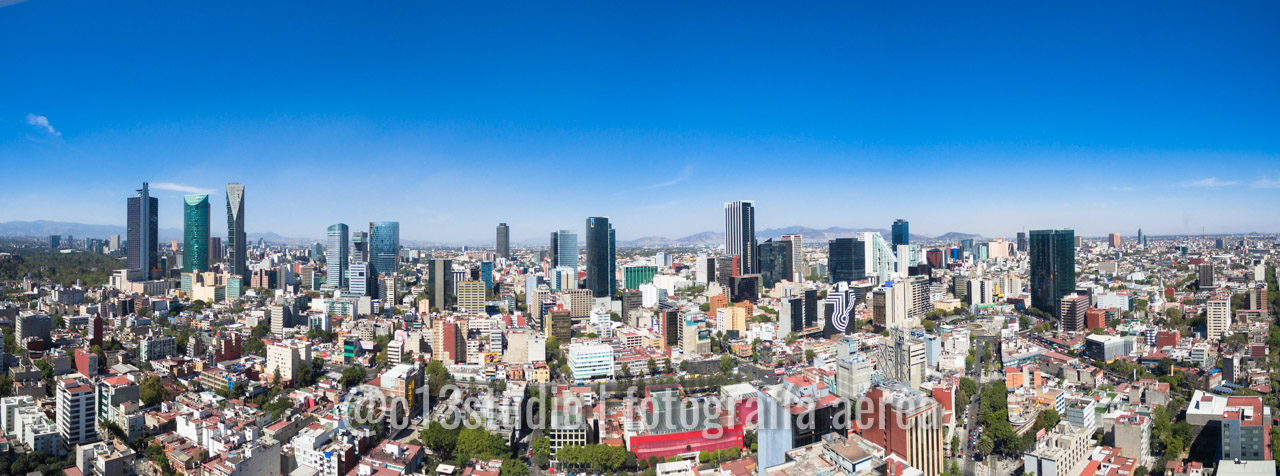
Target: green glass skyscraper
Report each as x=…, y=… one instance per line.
x=1053, y=267
x=195, y=222
x=384, y=247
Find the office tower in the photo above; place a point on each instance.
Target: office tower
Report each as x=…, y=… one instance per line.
x=841, y=253
x=600, y=262
x=1206, y=275
x=564, y=249
x=504, y=241
x=1114, y=240
x=1218, y=317
x=775, y=262
x=1053, y=267
x=360, y=245
x=357, y=278
x=441, y=281
x=613, y=261
x=740, y=233
x=1022, y=241
x=384, y=248
x=143, y=259
x=1140, y=238
x=901, y=233
x=236, y=244
x=195, y=217
x=55, y=241
x=906, y=423
x=76, y=419
x=1258, y=297
x=486, y=275
x=317, y=252
x=1072, y=311
x=471, y=296
x=797, y=257
x=215, y=249
x=704, y=269
x=637, y=275
x=336, y=254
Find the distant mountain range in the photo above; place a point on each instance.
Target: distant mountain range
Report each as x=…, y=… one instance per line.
x=40, y=228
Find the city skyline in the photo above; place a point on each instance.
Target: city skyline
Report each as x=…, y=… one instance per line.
x=953, y=128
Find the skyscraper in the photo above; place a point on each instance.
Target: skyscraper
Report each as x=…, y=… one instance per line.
x=740, y=233
x=775, y=262
x=840, y=257
x=336, y=253
x=564, y=249
x=142, y=253
x=797, y=257
x=504, y=241
x=441, y=281
x=600, y=260
x=235, y=231
x=195, y=220
x=1022, y=241
x=1053, y=268
x=901, y=234
x=384, y=248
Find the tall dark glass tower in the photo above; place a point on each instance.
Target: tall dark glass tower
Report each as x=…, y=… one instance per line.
x=740, y=234
x=142, y=255
x=901, y=233
x=384, y=247
x=504, y=241
x=195, y=223
x=600, y=257
x=1022, y=241
x=235, y=232
x=564, y=249
x=775, y=262
x=1053, y=267
x=336, y=253
x=840, y=266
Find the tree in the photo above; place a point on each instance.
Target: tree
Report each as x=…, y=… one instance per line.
x=1047, y=419
x=440, y=440
x=726, y=364
x=152, y=392
x=352, y=376
x=809, y=355
x=653, y=366
x=514, y=468
x=986, y=445
x=969, y=386
x=541, y=451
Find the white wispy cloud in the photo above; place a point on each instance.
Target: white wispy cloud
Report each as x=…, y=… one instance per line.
x=5, y=3
x=1265, y=182
x=1209, y=182
x=177, y=187
x=1124, y=188
x=43, y=123
x=685, y=174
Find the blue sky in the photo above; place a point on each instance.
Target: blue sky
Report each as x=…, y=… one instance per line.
x=453, y=116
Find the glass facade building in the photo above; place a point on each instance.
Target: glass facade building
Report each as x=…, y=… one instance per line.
x=841, y=256
x=564, y=249
x=901, y=232
x=195, y=222
x=335, y=256
x=740, y=234
x=601, y=264
x=637, y=275
x=142, y=255
x=384, y=248
x=235, y=231
x=1053, y=267
x=775, y=262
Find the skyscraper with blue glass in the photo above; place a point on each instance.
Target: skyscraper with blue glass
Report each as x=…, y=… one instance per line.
x=486, y=275
x=901, y=233
x=384, y=247
x=335, y=256
x=564, y=249
x=195, y=221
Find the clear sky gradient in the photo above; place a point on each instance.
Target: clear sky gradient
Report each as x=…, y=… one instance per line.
x=453, y=116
